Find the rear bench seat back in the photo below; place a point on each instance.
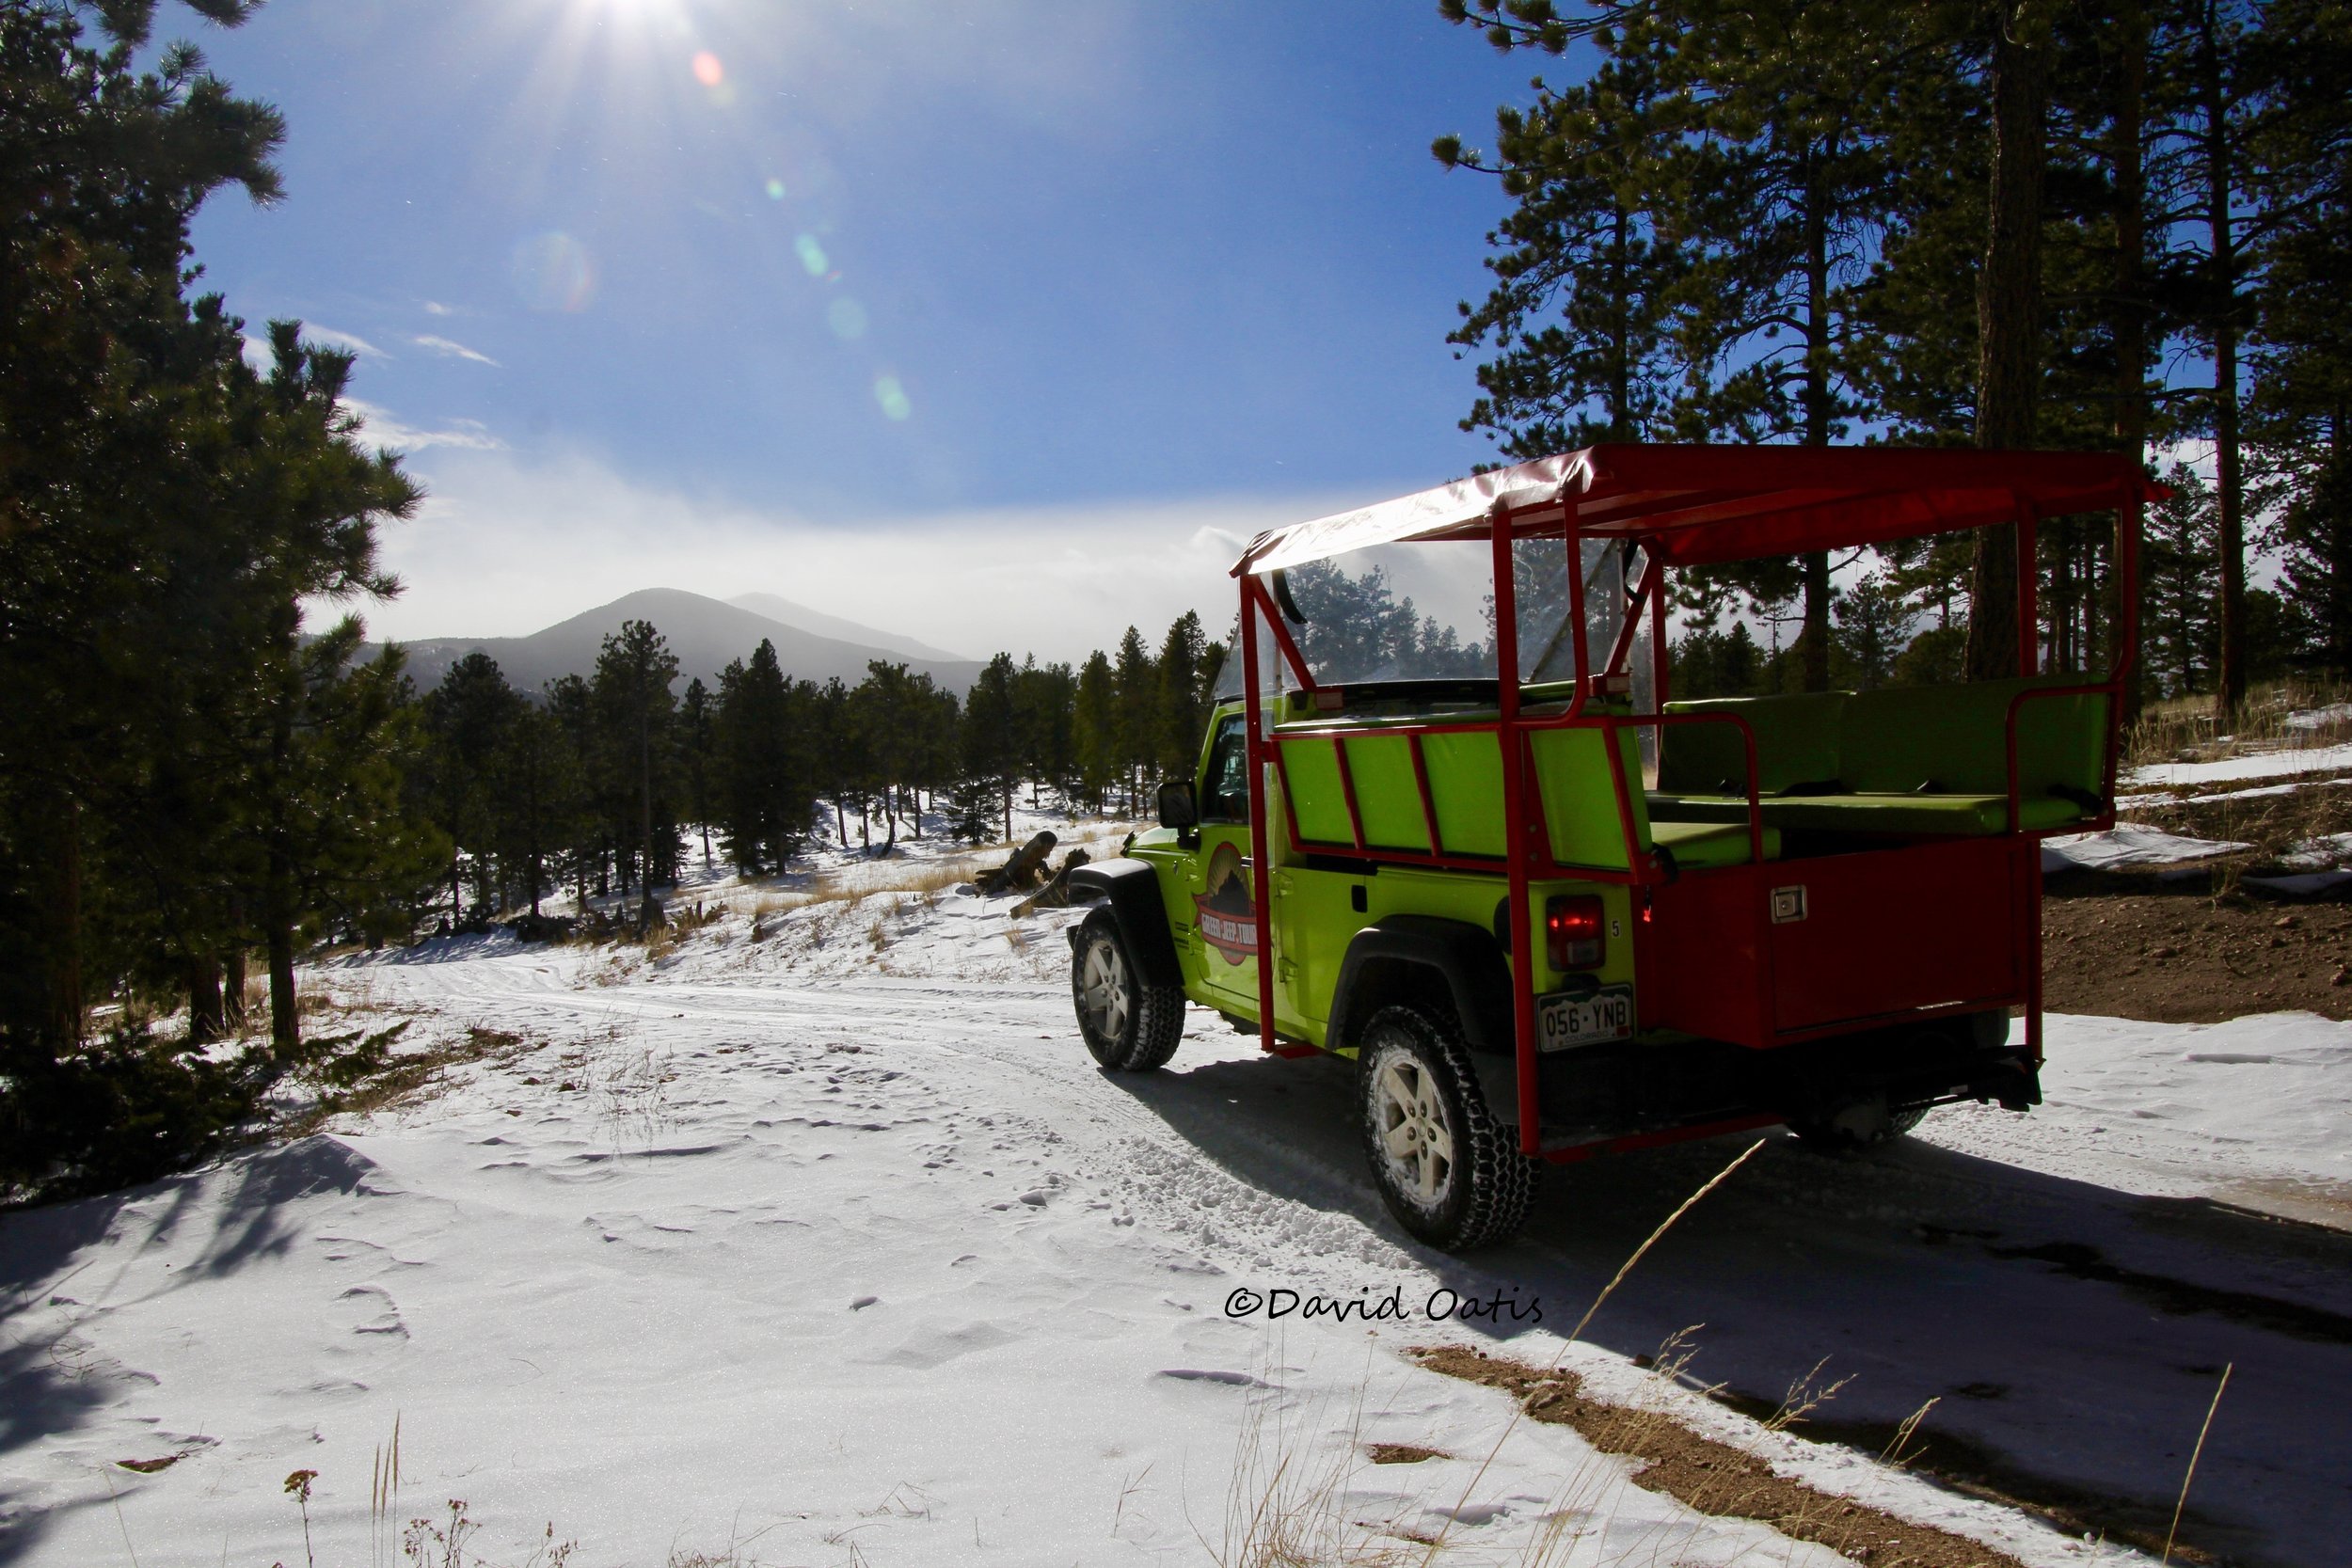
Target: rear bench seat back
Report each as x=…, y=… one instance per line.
x=1952, y=740
x=1796, y=744
x=1901, y=759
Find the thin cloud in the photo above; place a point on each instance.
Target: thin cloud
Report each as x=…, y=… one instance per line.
x=452, y=350
x=349, y=341
x=380, y=427
x=434, y=308
x=507, y=546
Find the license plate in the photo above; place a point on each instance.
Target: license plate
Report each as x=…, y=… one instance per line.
x=1561, y=1022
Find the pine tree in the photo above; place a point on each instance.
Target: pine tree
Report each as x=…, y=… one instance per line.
x=1873, y=628
x=634, y=670
x=1581, y=319
x=2180, y=632
x=1137, y=682
x=1096, y=727
x=991, y=741
x=694, y=756
x=1183, y=699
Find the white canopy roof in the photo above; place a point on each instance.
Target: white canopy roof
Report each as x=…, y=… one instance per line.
x=1465, y=506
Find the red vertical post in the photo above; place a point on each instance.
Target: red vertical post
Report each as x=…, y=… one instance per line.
x=1253, y=713
x=1517, y=827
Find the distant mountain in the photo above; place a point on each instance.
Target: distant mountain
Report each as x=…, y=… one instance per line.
x=705, y=633
x=799, y=615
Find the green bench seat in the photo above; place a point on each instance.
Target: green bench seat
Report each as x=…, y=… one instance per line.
x=1966, y=815
x=1701, y=845
x=1902, y=760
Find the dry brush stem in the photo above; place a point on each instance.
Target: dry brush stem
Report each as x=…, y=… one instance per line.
x=1639, y=1253
x=2195, y=1454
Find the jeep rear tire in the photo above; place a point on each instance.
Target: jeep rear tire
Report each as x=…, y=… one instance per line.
x=1451, y=1173
x=1129, y=1024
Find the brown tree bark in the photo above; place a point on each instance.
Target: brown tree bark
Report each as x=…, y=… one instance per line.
x=233, y=976
x=2128, y=159
x=1820, y=414
x=2009, y=320
x=206, y=1020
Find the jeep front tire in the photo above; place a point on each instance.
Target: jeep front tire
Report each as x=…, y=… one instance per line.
x=1129, y=1024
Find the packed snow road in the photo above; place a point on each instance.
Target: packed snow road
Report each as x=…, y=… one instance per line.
x=844, y=1267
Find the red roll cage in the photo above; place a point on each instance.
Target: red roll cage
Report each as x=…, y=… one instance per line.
x=1679, y=506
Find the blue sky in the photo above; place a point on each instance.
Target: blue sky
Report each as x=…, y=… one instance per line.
x=911, y=311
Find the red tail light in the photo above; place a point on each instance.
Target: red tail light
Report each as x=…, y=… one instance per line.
x=1572, y=932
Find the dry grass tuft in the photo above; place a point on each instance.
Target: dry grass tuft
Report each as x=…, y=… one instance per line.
x=2181, y=729
x=1288, y=1506
x=366, y=1077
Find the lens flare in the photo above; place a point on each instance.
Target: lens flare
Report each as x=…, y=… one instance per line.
x=846, y=318
x=775, y=190
x=552, y=272
x=812, y=254
x=892, y=397
x=708, y=71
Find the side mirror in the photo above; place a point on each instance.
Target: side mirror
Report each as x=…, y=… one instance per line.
x=1178, y=809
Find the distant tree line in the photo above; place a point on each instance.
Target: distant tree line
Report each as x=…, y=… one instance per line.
x=1996, y=223
x=604, y=785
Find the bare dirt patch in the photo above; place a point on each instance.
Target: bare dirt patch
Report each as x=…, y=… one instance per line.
x=1403, y=1453
x=1714, y=1478
x=2127, y=947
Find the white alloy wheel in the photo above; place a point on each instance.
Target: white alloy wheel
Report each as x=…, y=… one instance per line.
x=1415, y=1140
x=1104, y=989
x=1449, y=1170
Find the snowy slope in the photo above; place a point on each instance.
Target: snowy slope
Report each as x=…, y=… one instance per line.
x=834, y=1245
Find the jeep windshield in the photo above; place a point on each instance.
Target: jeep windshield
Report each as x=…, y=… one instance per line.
x=1421, y=615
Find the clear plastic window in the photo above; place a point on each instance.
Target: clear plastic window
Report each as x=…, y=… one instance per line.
x=1225, y=790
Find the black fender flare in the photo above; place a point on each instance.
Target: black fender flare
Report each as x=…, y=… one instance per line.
x=1132, y=888
x=1464, y=957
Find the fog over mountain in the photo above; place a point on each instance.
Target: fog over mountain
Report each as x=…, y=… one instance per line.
x=776, y=608
x=706, y=633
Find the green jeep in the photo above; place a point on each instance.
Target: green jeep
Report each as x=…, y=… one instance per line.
x=1817, y=909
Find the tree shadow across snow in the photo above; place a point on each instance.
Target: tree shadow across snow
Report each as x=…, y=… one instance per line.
x=2072, y=1333
x=52, y=1382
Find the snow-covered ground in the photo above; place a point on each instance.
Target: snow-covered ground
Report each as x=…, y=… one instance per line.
x=2283, y=762
x=2127, y=844
x=831, y=1246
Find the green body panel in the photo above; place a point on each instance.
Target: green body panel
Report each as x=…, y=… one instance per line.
x=1386, y=793
x=1313, y=768
x=1580, y=795
x=1466, y=784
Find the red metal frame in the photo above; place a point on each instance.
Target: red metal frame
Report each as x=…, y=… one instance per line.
x=1527, y=855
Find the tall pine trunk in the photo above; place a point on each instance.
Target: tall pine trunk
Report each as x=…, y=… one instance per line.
x=2129, y=160
x=1818, y=418
x=2230, y=685
x=277, y=900
x=206, y=1017
x=2009, y=325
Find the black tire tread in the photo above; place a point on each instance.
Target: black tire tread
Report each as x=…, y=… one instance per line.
x=1503, y=1181
x=1156, y=1024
